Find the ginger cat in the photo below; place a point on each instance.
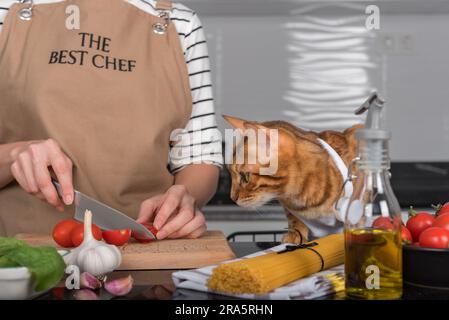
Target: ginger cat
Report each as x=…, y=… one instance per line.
x=307, y=182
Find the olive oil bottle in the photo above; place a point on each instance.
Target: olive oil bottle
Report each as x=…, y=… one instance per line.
x=373, y=245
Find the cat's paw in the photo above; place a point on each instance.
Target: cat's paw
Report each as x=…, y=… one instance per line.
x=292, y=237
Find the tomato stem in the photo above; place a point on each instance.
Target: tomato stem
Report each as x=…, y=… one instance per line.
x=411, y=212
x=437, y=208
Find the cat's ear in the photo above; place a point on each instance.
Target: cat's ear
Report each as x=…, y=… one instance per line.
x=237, y=123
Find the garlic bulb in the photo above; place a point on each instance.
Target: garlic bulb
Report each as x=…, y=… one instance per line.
x=93, y=256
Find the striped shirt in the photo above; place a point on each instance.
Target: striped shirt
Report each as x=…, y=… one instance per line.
x=200, y=141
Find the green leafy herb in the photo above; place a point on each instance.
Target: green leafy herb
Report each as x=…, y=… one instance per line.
x=44, y=263
x=7, y=263
x=8, y=244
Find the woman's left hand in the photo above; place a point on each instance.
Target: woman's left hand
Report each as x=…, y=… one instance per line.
x=177, y=215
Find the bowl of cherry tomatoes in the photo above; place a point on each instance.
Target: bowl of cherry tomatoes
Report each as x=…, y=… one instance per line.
x=426, y=249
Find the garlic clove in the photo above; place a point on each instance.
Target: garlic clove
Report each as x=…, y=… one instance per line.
x=88, y=281
x=85, y=294
x=120, y=287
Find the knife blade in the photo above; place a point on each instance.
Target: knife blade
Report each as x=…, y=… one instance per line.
x=103, y=216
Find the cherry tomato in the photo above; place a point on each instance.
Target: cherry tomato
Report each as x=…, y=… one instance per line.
x=406, y=235
x=434, y=237
x=442, y=221
x=441, y=209
x=77, y=234
x=117, y=237
x=61, y=232
x=141, y=239
x=383, y=223
x=418, y=222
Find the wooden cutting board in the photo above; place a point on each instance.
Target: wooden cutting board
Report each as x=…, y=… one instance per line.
x=164, y=254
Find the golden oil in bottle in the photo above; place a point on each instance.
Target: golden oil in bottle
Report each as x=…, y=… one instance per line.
x=373, y=263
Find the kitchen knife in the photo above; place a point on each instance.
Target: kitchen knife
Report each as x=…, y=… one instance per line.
x=103, y=216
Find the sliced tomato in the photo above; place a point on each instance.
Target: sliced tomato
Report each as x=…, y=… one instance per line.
x=77, y=234
x=143, y=239
x=61, y=232
x=117, y=237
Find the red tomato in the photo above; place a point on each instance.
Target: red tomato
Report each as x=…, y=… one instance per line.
x=434, y=237
x=406, y=235
x=442, y=221
x=441, y=209
x=77, y=234
x=141, y=239
x=61, y=232
x=383, y=223
x=117, y=237
x=418, y=222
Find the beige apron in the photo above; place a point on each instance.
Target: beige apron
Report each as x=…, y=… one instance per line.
x=109, y=93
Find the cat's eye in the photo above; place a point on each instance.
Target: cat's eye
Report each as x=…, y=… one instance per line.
x=244, y=176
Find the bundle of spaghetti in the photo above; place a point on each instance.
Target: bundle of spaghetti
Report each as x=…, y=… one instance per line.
x=264, y=273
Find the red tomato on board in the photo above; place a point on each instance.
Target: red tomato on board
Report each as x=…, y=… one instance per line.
x=383, y=223
x=418, y=222
x=77, y=234
x=406, y=235
x=61, y=232
x=141, y=239
x=434, y=237
x=117, y=237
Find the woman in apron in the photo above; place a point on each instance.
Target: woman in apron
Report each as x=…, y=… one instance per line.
x=91, y=93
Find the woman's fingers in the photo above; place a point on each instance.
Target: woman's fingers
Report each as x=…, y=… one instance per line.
x=31, y=170
x=62, y=166
x=194, y=228
x=171, y=202
x=18, y=173
x=197, y=233
x=46, y=187
x=148, y=208
x=26, y=167
x=183, y=217
x=19, y=176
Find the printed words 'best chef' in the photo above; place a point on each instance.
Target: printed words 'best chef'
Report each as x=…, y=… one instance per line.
x=98, y=60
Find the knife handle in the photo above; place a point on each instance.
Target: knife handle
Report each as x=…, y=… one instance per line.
x=57, y=186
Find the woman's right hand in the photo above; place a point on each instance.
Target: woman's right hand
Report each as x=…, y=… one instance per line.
x=30, y=168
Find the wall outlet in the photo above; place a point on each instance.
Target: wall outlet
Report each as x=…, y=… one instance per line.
x=396, y=43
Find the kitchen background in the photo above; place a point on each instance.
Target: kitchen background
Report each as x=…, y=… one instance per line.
x=314, y=62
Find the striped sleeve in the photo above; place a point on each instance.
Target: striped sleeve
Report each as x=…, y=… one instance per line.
x=4, y=7
x=200, y=141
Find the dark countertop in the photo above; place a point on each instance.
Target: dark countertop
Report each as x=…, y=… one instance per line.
x=158, y=284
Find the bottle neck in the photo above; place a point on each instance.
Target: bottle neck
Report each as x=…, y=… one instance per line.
x=374, y=155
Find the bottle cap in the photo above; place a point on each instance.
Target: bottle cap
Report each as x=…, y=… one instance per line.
x=373, y=129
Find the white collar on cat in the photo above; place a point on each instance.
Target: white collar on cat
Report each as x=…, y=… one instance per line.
x=344, y=200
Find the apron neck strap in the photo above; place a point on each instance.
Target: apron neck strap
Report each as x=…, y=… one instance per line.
x=163, y=5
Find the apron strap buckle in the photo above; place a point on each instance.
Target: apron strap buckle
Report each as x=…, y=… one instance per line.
x=164, y=8
x=26, y=13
